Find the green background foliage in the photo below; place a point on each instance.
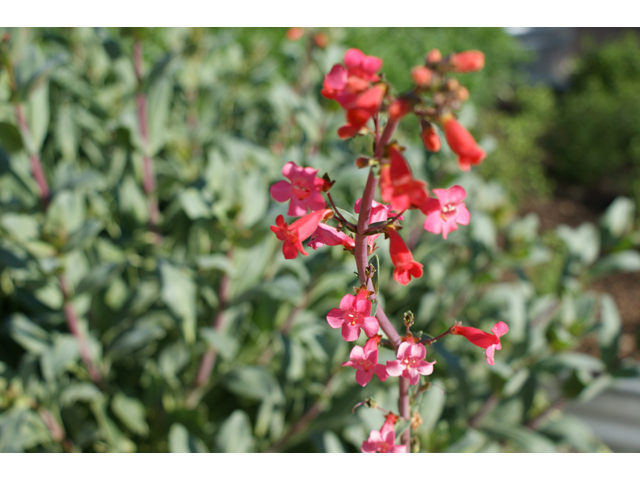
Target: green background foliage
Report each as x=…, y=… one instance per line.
x=226, y=110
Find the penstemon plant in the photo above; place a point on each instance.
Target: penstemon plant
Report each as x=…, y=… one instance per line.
x=373, y=110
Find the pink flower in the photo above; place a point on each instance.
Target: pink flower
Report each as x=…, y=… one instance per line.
x=353, y=314
x=294, y=234
x=303, y=191
x=402, y=259
x=410, y=363
x=361, y=65
x=447, y=212
x=485, y=340
x=379, y=213
x=383, y=441
x=327, y=235
x=365, y=361
x=397, y=185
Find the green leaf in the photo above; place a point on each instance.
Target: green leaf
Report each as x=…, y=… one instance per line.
x=583, y=242
x=10, y=138
x=100, y=276
x=235, y=434
x=158, y=71
x=194, y=204
x=179, y=294
x=627, y=261
x=144, y=332
x=158, y=104
x=255, y=383
x=349, y=217
x=610, y=327
x=618, y=218
x=38, y=118
x=331, y=443
x=131, y=412
x=88, y=231
x=255, y=198
x=180, y=441
x=225, y=345
x=37, y=79
x=29, y=335
x=79, y=392
x=59, y=357
x=525, y=439
x=23, y=227
x=215, y=262
x=375, y=261
x=431, y=406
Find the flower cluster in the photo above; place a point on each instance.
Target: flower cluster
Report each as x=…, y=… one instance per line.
x=366, y=97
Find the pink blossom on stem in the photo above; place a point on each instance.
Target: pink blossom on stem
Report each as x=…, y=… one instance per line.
x=410, y=363
x=365, y=361
x=397, y=185
x=294, y=234
x=447, y=212
x=354, y=313
x=303, y=191
x=327, y=235
x=383, y=441
x=489, y=341
x=379, y=213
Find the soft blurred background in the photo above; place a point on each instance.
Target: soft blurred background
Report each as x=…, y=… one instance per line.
x=145, y=305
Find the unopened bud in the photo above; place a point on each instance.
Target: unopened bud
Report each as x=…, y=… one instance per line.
x=326, y=186
x=421, y=76
x=430, y=138
x=392, y=418
x=463, y=94
x=363, y=162
x=295, y=33
x=321, y=40
x=399, y=108
x=434, y=56
x=371, y=403
x=470, y=61
x=452, y=84
x=408, y=318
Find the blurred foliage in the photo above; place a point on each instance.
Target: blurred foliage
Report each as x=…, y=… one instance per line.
x=595, y=139
x=226, y=109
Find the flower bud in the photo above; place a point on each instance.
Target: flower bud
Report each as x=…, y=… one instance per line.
x=321, y=40
x=362, y=162
x=434, y=56
x=452, y=84
x=462, y=94
x=399, y=108
x=421, y=76
x=295, y=33
x=430, y=138
x=470, y=61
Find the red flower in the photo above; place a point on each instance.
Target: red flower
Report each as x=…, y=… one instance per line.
x=430, y=138
x=489, y=341
x=398, y=187
x=399, y=108
x=470, y=61
x=303, y=191
x=402, y=259
x=462, y=143
x=354, y=314
x=383, y=441
x=410, y=363
x=447, y=212
x=294, y=234
x=327, y=235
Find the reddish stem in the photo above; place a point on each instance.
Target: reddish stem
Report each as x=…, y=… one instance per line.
x=73, y=324
x=36, y=164
x=149, y=179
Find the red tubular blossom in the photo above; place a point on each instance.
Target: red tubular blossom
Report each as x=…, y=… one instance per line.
x=489, y=341
x=293, y=235
x=302, y=191
x=399, y=108
x=462, y=143
x=430, y=138
x=402, y=259
x=470, y=61
x=397, y=185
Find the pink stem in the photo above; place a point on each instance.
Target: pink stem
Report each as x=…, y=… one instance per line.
x=149, y=179
x=36, y=165
x=73, y=324
x=361, y=256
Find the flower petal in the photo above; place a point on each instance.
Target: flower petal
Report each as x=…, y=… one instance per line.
x=394, y=368
x=335, y=317
x=281, y=191
x=370, y=326
x=350, y=332
x=362, y=377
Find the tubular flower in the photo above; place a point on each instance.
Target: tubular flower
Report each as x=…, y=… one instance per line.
x=462, y=143
x=402, y=259
x=327, y=235
x=447, y=212
x=353, y=314
x=379, y=213
x=303, y=191
x=294, y=234
x=350, y=86
x=489, y=341
x=399, y=108
x=410, y=363
x=398, y=187
x=383, y=441
x=470, y=61
x=365, y=361
x=430, y=138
